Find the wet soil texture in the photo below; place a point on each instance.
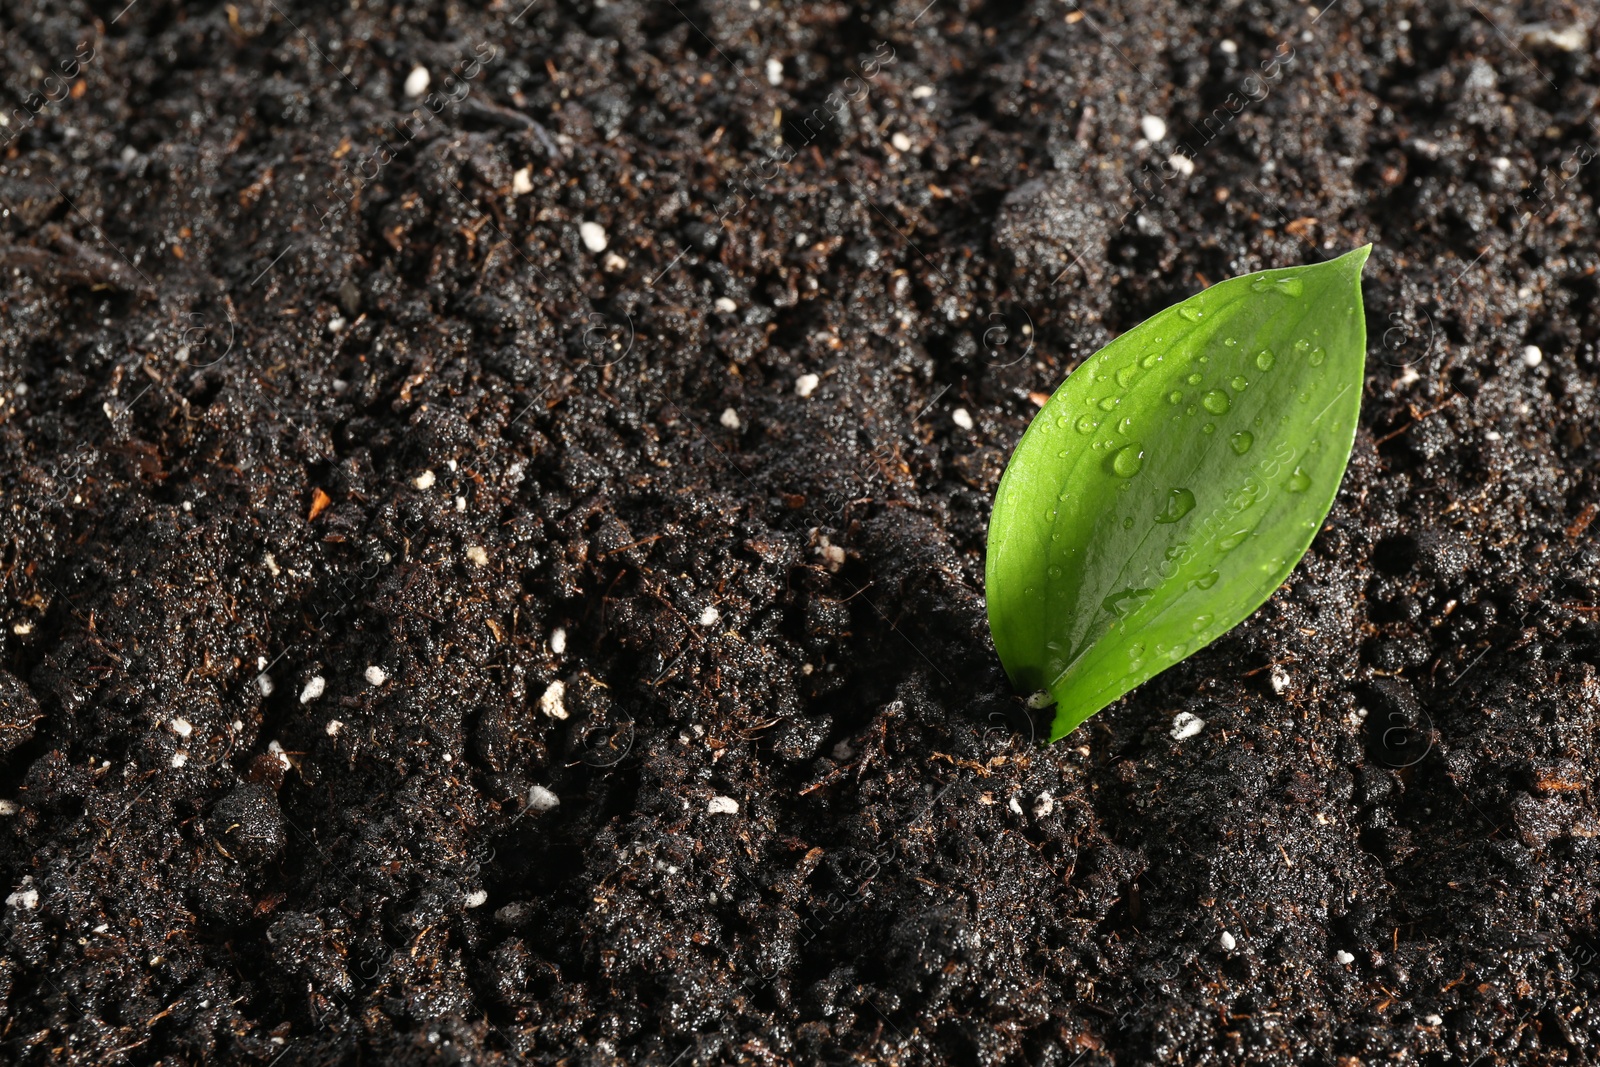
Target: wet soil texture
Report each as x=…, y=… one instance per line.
x=494, y=502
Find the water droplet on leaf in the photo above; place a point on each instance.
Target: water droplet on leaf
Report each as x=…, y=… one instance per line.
x=1265, y=359
x=1179, y=503
x=1242, y=441
x=1215, y=401
x=1128, y=461
x=1233, y=540
x=1299, y=481
x=1126, y=602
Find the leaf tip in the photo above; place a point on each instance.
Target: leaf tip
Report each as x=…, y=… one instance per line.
x=1356, y=258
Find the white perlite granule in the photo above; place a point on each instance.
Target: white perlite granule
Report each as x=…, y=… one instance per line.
x=594, y=236
x=1185, y=725
x=553, y=702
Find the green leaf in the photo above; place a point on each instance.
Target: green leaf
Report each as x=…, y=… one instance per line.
x=1173, y=482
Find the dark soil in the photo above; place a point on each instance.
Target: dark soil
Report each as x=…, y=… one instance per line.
x=304, y=378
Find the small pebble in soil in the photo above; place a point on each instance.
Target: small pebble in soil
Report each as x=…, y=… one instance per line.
x=1532, y=356
x=553, y=702
x=962, y=418
x=1015, y=805
x=558, y=640
x=1227, y=942
x=723, y=806
x=1153, y=127
x=522, y=181
x=25, y=897
x=901, y=142
x=1279, y=678
x=9, y=807
x=376, y=675
x=179, y=758
x=313, y=689
x=594, y=236
x=709, y=617
x=1044, y=805
x=1185, y=725
x=1343, y=958
x=424, y=480
x=542, y=800
x=264, y=683
x=181, y=727
x=417, y=81
x=477, y=898
x=730, y=418
x=477, y=556
x=774, y=72
x=333, y=728
x=725, y=305
x=805, y=385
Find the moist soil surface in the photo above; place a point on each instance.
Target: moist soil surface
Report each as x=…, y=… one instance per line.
x=494, y=511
